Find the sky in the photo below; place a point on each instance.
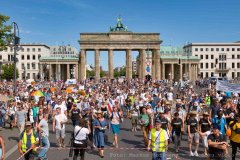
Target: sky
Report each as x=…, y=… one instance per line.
x=60, y=22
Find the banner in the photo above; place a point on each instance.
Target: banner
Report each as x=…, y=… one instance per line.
x=71, y=81
x=225, y=86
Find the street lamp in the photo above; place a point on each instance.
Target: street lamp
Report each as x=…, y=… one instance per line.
x=15, y=43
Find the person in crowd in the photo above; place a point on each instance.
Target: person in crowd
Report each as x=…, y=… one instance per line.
x=158, y=142
x=75, y=114
x=205, y=130
x=28, y=142
x=100, y=125
x=2, y=148
x=176, y=130
x=217, y=145
x=58, y=125
x=220, y=122
x=235, y=136
x=80, y=143
x=145, y=122
x=20, y=118
x=11, y=111
x=193, y=135
x=134, y=114
x=43, y=134
x=116, y=119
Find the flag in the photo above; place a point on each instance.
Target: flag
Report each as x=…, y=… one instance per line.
x=110, y=105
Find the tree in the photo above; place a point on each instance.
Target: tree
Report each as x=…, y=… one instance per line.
x=5, y=32
x=90, y=73
x=8, y=72
x=102, y=74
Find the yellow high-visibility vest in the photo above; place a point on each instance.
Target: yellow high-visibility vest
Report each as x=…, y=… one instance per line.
x=162, y=145
x=24, y=141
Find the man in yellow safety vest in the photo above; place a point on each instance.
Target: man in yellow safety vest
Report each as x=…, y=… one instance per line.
x=28, y=142
x=158, y=141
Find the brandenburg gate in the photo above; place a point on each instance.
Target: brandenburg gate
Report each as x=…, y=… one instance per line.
x=120, y=39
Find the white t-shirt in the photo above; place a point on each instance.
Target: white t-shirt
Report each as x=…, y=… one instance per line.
x=170, y=96
x=60, y=118
x=82, y=135
x=62, y=106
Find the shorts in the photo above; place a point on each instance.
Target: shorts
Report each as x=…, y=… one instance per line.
x=134, y=119
x=0, y=152
x=115, y=128
x=60, y=133
x=194, y=137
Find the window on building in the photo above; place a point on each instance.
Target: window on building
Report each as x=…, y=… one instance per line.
x=28, y=57
x=201, y=56
x=33, y=57
x=238, y=56
x=39, y=56
x=201, y=65
x=238, y=74
x=238, y=49
x=22, y=49
x=201, y=49
x=33, y=49
x=201, y=74
x=9, y=57
x=22, y=65
x=206, y=65
x=233, y=56
x=196, y=55
x=217, y=49
x=227, y=49
x=28, y=66
x=206, y=56
x=34, y=75
x=233, y=49
x=0, y=57
x=39, y=49
x=238, y=65
x=28, y=75
x=212, y=74
x=212, y=65
x=222, y=49
x=33, y=66
x=206, y=49
x=22, y=57
x=233, y=65
x=212, y=49
x=206, y=74
x=28, y=49
x=233, y=75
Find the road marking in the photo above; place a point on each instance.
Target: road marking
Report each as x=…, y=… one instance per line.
x=11, y=151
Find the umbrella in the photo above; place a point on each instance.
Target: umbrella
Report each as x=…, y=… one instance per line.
x=38, y=93
x=69, y=89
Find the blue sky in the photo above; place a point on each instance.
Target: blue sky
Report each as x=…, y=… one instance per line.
x=57, y=22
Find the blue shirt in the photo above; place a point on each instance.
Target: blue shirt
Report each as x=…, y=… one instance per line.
x=220, y=124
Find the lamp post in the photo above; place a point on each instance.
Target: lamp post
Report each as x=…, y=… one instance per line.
x=15, y=43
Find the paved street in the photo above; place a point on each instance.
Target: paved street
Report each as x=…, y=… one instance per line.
x=130, y=147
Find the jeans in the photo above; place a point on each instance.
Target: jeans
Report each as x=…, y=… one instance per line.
x=43, y=151
x=79, y=148
x=159, y=156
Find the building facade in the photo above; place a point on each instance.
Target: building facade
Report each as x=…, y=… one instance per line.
x=27, y=59
x=216, y=59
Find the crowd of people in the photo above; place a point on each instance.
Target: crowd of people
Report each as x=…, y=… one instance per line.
x=162, y=110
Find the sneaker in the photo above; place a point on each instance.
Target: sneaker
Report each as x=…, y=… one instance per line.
x=196, y=154
x=191, y=154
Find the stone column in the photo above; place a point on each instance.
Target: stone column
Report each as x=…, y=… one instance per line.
x=129, y=64
x=50, y=72
x=163, y=71
x=157, y=64
x=68, y=71
x=97, y=64
x=76, y=72
x=189, y=71
x=59, y=71
x=143, y=64
x=110, y=64
x=82, y=66
x=153, y=65
x=181, y=71
x=172, y=71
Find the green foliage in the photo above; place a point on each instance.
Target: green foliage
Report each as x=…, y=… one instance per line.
x=5, y=35
x=102, y=74
x=90, y=73
x=120, y=73
x=8, y=72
